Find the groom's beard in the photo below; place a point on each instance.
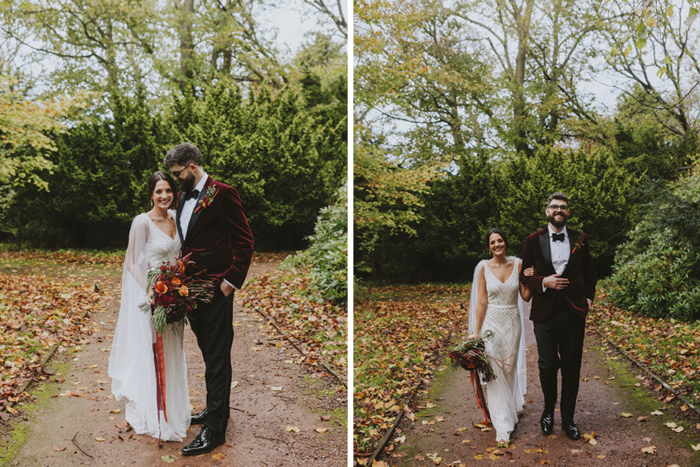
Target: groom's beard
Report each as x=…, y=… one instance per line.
x=557, y=223
x=187, y=184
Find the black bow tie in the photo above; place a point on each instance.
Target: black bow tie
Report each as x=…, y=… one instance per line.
x=195, y=194
x=558, y=237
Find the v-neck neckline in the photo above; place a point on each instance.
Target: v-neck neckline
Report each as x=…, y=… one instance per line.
x=161, y=231
x=494, y=276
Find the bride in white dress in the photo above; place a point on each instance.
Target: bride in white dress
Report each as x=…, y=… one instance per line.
x=153, y=239
x=497, y=304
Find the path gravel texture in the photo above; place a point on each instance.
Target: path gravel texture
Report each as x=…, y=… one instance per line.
x=91, y=430
x=609, y=387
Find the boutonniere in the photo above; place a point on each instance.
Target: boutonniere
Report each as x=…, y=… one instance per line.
x=579, y=243
x=208, y=198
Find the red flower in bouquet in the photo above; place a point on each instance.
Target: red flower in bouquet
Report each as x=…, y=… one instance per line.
x=174, y=293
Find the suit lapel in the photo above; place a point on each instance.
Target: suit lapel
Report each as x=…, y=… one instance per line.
x=573, y=236
x=546, y=250
x=180, y=202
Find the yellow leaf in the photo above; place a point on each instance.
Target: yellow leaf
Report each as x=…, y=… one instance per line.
x=625, y=414
x=695, y=447
x=430, y=405
x=276, y=388
x=115, y=411
x=649, y=450
x=320, y=430
x=169, y=459
x=99, y=438
x=293, y=428
x=601, y=456
x=218, y=456
x=379, y=464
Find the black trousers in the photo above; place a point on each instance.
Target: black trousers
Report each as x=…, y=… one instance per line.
x=560, y=345
x=212, y=323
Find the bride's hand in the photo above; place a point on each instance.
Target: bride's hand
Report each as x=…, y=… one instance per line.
x=529, y=271
x=473, y=335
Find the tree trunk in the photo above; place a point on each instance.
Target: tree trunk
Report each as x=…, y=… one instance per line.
x=186, y=44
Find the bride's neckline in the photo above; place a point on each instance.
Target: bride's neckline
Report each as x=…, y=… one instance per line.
x=160, y=230
x=494, y=276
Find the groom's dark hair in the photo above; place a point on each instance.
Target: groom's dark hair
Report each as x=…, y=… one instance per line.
x=559, y=196
x=183, y=154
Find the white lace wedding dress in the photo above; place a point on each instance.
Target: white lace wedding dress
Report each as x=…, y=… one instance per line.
x=131, y=362
x=505, y=393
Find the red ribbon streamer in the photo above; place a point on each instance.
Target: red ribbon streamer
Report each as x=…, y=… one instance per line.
x=479, y=393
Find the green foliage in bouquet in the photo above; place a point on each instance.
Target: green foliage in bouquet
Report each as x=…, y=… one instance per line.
x=657, y=272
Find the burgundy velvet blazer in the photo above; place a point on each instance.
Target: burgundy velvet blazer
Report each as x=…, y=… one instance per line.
x=218, y=235
x=579, y=271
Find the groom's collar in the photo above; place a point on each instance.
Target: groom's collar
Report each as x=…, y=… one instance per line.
x=202, y=182
x=551, y=231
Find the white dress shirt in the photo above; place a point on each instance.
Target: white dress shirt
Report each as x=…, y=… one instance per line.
x=188, y=207
x=560, y=250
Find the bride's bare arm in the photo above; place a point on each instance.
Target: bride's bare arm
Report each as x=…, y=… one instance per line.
x=525, y=292
x=482, y=303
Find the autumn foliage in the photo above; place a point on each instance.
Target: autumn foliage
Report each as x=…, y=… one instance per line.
x=399, y=333
x=318, y=327
x=36, y=311
x=667, y=347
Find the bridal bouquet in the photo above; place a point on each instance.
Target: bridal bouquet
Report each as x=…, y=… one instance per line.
x=471, y=355
x=174, y=293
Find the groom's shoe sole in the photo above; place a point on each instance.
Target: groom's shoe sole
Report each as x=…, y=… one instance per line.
x=547, y=424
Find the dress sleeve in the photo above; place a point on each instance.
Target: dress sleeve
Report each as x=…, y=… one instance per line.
x=135, y=262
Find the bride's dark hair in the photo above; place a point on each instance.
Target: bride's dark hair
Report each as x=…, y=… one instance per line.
x=155, y=178
x=498, y=231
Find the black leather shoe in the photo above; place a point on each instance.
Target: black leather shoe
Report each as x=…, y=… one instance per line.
x=198, y=418
x=571, y=429
x=206, y=441
x=547, y=423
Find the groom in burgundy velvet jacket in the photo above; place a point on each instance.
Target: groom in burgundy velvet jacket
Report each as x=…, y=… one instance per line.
x=564, y=284
x=213, y=227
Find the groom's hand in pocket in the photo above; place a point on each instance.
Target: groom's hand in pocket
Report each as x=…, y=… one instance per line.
x=226, y=288
x=555, y=282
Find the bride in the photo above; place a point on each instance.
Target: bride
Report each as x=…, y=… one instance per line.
x=153, y=239
x=497, y=301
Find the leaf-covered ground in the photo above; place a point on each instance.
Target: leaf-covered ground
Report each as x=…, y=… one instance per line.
x=668, y=348
x=399, y=330
x=317, y=327
x=37, y=311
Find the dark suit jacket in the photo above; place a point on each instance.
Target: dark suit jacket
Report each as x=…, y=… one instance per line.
x=218, y=235
x=579, y=271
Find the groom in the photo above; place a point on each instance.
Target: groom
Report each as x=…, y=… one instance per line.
x=213, y=227
x=564, y=282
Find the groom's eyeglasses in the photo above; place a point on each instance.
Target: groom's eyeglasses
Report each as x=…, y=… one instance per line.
x=176, y=173
x=557, y=207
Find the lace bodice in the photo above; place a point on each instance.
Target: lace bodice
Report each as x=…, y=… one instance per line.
x=160, y=246
x=502, y=294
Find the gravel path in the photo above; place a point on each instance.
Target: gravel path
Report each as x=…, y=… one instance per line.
x=257, y=432
x=610, y=387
